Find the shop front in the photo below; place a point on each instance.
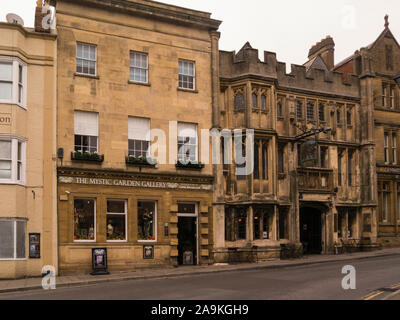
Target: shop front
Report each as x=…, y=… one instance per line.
x=143, y=220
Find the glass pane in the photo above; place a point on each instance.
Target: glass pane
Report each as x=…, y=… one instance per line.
x=5, y=169
x=21, y=239
x=6, y=71
x=79, y=51
x=92, y=55
x=146, y=220
x=116, y=229
x=6, y=239
x=115, y=206
x=5, y=149
x=6, y=90
x=84, y=228
x=188, y=208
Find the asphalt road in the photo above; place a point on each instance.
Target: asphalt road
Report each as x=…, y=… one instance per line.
x=312, y=282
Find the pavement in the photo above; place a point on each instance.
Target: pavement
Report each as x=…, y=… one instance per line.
x=9, y=286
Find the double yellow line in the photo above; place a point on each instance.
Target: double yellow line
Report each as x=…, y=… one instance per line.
x=379, y=292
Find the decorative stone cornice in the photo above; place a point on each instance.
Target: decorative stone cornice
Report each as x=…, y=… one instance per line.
x=155, y=10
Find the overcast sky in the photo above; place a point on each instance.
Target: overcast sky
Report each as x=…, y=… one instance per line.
x=287, y=27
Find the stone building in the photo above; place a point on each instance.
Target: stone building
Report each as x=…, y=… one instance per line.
x=28, y=237
x=131, y=66
x=378, y=67
x=312, y=189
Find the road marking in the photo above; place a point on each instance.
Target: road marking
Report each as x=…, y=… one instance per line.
x=373, y=295
x=395, y=286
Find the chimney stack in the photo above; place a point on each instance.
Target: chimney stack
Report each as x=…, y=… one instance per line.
x=326, y=49
x=39, y=16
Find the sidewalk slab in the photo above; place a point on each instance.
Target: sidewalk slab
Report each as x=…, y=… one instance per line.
x=78, y=280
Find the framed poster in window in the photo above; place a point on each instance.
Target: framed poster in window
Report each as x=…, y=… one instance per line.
x=34, y=245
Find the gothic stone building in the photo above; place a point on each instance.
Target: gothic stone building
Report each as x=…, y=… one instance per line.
x=377, y=66
x=311, y=205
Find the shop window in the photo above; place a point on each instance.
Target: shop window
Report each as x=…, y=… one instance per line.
x=86, y=56
x=187, y=142
x=139, y=67
x=84, y=220
x=299, y=110
x=116, y=220
x=86, y=131
x=147, y=220
x=283, y=223
x=12, y=239
x=398, y=202
x=13, y=80
x=12, y=161
x=263, y=102
x=335, y=223
x=384, y=198
x=138, y=137
x=235, y=224
x=262, y=224
x=186, y=74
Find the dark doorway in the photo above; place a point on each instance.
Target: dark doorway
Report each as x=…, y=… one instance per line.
x=311, y=230
x=187, y=236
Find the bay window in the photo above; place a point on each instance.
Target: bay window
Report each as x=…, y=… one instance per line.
x=187, y=142
x=139, y=137
x=12, y=239
x=13, y=74
x=12, y=160
x=86, y=131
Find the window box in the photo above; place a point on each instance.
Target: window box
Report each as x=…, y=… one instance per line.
x=140, y=161
x=193, y=165
x=86, y=156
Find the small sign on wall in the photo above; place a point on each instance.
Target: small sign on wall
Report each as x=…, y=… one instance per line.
x=34, y=245
x=99, y=261
x=148, y=252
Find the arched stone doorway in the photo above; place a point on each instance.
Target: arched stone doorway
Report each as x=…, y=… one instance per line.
x=311, y=229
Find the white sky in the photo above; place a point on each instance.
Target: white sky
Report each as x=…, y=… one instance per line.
x=287, y=27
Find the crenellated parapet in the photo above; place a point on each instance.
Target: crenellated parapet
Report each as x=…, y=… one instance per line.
x=246, y=63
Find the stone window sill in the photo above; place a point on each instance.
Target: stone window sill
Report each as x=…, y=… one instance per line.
x=89, y=76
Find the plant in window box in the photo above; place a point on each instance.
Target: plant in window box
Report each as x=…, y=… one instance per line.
x=87, y=156
x=189, y=165
x=140, y=161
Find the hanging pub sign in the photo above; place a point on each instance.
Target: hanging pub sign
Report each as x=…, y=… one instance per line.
x=34, y=246
x=99, y=261
x=309, y=154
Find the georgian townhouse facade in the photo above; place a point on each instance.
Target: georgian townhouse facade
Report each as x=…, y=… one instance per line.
x=28, y=238
x=378, y=67
x=129, y=68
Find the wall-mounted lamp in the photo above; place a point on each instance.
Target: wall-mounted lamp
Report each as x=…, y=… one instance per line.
x=397, y=79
